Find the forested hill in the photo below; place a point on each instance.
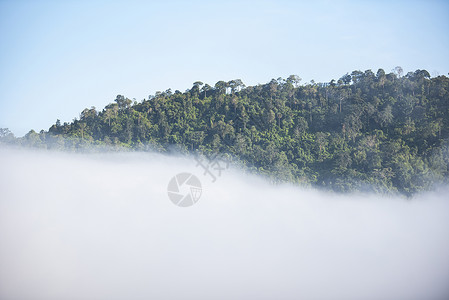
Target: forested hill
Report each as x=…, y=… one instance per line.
x=382, y=131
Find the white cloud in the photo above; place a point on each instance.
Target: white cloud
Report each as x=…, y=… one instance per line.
x=101, y=226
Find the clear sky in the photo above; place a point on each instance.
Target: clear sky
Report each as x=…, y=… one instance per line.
x=59, y=57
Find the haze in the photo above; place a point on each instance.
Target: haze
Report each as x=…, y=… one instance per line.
x=101, y=226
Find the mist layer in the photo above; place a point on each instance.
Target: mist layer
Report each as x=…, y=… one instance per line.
x=101, y=226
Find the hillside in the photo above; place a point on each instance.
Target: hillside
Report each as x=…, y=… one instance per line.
x=385, y=132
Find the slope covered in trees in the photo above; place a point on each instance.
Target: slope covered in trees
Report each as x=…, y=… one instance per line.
x=381, y=131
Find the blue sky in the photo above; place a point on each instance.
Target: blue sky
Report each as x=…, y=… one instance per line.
x=59, y=57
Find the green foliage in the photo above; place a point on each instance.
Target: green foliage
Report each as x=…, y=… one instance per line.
x=380, y=131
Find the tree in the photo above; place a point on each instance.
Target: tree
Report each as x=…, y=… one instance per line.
x=196, y=87
x=294, y=80
x=82, y=126
x=346, y=79
x=122, y=102
x=235, y=85
x=381, y=78
x=206, y=88
x=343, y=96
x=6, y=135
x=398, y=71
x=390, y=134
x=220, y=87
x=385, y=116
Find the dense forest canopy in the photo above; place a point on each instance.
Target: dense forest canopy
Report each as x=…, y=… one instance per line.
x=381, y=131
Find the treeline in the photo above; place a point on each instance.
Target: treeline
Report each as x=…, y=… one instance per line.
x=367, y=130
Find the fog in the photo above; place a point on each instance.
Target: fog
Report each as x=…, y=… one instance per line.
x=101, y=226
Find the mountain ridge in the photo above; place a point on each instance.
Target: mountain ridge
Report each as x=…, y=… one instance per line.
x=385, y=131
